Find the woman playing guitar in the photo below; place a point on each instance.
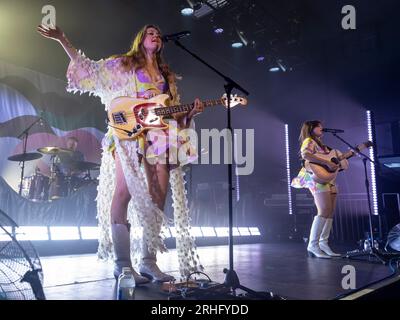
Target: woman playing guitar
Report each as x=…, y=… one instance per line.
x=131, y=189
x=312, y=149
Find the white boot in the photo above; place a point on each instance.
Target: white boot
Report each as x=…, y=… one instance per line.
x=313, y=246
x=323, y=240
x=122, y=252
x=148, y=267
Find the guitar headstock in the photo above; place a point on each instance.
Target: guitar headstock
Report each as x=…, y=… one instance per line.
x=234, y=101
x=365, y=145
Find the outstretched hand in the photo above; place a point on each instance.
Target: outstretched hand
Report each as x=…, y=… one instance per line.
x=55, y=33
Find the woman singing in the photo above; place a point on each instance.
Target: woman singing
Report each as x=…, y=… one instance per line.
x=324, y=194
x=132, y=190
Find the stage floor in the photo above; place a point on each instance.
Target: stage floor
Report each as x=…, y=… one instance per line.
x=283, y=269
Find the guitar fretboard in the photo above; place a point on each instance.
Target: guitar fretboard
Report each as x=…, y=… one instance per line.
x=165, y=111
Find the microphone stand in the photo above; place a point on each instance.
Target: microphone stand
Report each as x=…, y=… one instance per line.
x=370, y=250
x=25, y=133
x=231, y=278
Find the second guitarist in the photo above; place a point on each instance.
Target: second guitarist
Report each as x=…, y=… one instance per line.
x=324, y=194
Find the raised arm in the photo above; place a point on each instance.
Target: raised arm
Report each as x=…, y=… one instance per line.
x=58, y=35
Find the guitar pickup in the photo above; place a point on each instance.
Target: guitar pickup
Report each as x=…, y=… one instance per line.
x=119, y=117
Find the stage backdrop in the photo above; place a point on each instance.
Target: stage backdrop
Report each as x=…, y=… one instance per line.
x=25, y=95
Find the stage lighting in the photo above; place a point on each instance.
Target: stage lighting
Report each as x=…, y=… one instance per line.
x=255, y=231
x=274, y=69
x=218, y=30
x=191, y=7
x=32, y=233
x=244, y=231
x=371, y=137
x=236, y=44
x=187, y=11
x=64, y=233
x=196, y=232
x=288, y=168
x=260, y=57
x=89, y=233
x=222, y=232
x=235, y=232
x=208, y=231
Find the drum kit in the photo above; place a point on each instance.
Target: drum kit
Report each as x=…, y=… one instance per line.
x=60, y=183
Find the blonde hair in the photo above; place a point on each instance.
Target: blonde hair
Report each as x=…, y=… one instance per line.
x=135, y=58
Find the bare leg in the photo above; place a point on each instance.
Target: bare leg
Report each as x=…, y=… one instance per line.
x=333, y=201
x=119, y=225
x=157, y=179
x=121, y=198
x=323, y=201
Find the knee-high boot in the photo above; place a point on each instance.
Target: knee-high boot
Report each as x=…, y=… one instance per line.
x=122, y=252
x=323, y=240
x=313, y=244
x=148, y=267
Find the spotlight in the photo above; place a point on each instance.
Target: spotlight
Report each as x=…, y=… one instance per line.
x=187, y=11
x=237, y=44
x=218, y=30
x=260, y=58
x=274, y=69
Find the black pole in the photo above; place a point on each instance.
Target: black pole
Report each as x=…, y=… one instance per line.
x=26, y=133
x=23, y=162
x=371, y=230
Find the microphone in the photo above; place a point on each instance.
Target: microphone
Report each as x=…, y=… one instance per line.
x=332, y=130
x=175, y=36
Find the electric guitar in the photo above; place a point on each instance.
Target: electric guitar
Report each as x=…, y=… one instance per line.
x=130, y=117
x=322, y=174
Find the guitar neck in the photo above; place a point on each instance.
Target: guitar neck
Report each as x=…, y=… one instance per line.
x=166, y=111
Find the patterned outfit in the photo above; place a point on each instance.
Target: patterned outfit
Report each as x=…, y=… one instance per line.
x=304, y=178
x=108, y=80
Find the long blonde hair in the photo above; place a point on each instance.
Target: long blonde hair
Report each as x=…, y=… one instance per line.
x=135, y=58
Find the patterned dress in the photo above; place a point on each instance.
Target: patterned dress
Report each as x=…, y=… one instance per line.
x=108, y=79
x=304, y=178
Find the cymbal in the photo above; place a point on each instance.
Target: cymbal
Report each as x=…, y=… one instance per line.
x=53, y=150
x=83, y=165
x=25, y=156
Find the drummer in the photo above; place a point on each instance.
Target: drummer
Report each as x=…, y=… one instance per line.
x=65, y=160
